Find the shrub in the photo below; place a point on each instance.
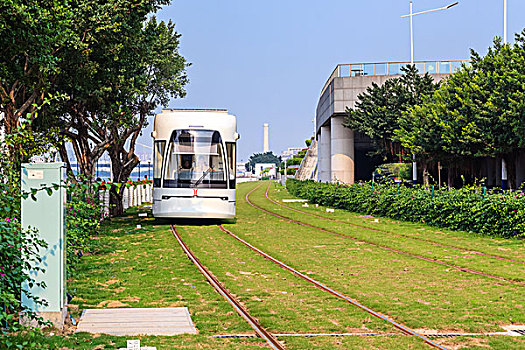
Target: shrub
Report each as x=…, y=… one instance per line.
x=18, y=248
x=466, y=209
x=84, y=215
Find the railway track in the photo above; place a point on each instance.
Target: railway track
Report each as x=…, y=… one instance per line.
x=267, y=336
x=416, y=256
x=271, y=338
x=393, y=233
x=334, y=292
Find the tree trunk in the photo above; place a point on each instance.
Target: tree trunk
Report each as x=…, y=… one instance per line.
x=425, y=173
x=116, y=206
x=11, y=122
x=450, y=176
x=10, y=119
x=63, y=155
x=122, y=164
x=511, y=170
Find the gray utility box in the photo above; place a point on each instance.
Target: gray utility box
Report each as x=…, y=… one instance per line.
x=47, y=215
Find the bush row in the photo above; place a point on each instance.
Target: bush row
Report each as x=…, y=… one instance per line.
x=467, y=209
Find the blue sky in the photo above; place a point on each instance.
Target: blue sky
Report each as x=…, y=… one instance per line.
x=266, y=61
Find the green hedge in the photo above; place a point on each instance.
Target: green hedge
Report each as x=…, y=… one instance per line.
x=467, y=209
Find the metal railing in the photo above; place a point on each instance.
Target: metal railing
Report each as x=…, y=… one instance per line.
x=393, y=68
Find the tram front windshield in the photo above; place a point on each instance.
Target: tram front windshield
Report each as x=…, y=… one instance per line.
x=195, y=159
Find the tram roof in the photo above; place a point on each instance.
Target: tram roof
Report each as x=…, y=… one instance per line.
x=194, y=110
x=211, y=119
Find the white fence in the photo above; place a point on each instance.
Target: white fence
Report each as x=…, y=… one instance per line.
x=132, y=197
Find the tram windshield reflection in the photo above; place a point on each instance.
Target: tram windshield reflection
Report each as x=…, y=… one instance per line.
x=195, y=159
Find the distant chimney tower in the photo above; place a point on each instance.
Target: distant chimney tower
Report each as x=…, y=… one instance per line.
x=266, y=147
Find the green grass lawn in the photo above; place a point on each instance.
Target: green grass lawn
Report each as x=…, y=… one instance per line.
x=498, y=247
x=145, y=267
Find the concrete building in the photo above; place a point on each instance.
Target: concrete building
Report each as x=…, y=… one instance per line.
x=342, y=152
x=265, y=170
x=290, y=153
x=241, y=170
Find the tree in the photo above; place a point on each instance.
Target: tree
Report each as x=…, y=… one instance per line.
x=478, y=112
x=101, y=78
x=267, y=157
x=379, y=108
x=129, y=67
x=33, y=34
x=162, y=76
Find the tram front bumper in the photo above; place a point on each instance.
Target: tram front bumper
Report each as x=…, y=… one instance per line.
x=177, y=207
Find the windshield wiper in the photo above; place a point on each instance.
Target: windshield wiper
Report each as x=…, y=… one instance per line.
x=202, y=177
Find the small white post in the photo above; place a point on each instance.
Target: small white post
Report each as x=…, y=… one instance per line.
x=504, y=178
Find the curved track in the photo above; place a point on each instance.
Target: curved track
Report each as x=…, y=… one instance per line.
x=436, y=261
x=270, y=339
x=333, y=292
x=394, y=234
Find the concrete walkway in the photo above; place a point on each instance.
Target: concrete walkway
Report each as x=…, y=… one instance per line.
x=132, y=321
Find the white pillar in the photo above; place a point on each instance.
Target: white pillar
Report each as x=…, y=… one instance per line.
x=342, y=151
x=131, y=198
x=324, y=154
x=266, y=147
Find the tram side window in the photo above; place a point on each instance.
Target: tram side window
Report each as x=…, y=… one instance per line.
x=158, y=157
x=230, y=150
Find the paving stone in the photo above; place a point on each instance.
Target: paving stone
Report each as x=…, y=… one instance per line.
x=134, y=321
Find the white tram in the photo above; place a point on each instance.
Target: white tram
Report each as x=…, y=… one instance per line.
x=194, y=156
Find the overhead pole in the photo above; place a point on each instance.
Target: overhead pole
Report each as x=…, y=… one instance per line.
x=411, y=33
x=504, y=21
x=411, y=15
x=504, y=175
x=414, y=163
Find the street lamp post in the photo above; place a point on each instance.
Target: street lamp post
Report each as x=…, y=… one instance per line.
x=504, y=21
x=504, y=181
x=411, y=15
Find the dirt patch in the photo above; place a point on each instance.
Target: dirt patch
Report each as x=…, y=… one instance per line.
x=132, y=299
x=471, y=342
x=177, y=304
x=111, y=304
x=78, y=299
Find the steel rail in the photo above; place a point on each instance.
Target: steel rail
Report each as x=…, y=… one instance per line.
x=460, y=268
x=312, y=335
x=394, y=234
x=241, y=310
x=332, y=291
